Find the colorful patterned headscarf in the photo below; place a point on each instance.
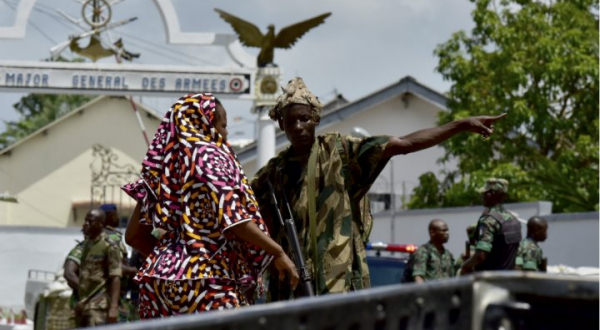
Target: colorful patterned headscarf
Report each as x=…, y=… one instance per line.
x=187, y=146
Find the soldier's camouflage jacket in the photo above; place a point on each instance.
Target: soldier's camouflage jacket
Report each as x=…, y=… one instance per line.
x=100, y=260
x=488, y=228
x=431, y=265
x=529, y=255
x=75, y=256
x=346, y=168
x=117, y=237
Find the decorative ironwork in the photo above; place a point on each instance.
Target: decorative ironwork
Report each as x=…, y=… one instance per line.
x=108, y=175
x=96, y=14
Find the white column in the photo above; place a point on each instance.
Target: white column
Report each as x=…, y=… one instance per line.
x=266, y=137
x=266, y=90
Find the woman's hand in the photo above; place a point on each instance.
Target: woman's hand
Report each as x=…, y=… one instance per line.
x=248, y=231
x=284, y=265
x=113, y=314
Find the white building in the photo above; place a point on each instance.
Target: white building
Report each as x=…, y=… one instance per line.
x=56, y=172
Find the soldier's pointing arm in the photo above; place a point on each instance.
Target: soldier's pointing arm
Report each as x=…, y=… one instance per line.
x=430, y=137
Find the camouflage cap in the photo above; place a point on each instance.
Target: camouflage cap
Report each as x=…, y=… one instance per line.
x=295, y=93
x=494, y=184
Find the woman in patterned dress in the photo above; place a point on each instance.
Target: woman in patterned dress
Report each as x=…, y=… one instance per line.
x=196, y=218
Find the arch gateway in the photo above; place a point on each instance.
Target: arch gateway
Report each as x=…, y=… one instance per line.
x=128, y=79
x=131, y=79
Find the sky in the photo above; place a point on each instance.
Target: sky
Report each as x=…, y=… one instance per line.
x=362, y=47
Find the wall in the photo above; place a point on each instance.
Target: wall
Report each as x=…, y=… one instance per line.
x=25, y=248
x=572, y=238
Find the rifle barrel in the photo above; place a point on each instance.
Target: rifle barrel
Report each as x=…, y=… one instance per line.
x=290, y=229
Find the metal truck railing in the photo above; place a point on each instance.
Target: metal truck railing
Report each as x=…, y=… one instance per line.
x=499, y=300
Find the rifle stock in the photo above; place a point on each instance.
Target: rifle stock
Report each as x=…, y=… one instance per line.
x=292, y=236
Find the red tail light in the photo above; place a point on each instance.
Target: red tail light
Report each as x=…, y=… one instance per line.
x=409, y=248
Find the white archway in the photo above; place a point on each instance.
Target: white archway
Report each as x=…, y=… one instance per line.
x=170, y=22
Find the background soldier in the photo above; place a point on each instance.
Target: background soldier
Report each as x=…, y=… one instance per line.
x=498, y=232
x=127, y=311
x=529, y=255
x=470, y=246
x=432, y=260
x=71, y=273
x=99, y=275
x=325, y=177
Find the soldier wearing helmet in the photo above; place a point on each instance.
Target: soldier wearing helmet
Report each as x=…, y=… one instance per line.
x=498, y=232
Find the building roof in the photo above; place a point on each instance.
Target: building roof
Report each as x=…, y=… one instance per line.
x=7, y=150
x=406, y=85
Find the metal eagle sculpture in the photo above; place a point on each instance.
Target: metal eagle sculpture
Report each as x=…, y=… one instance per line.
x=250, y=35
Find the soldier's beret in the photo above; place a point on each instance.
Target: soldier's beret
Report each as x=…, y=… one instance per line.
x=108, y=207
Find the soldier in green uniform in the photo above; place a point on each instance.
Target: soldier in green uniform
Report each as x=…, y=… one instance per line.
x=529, y=255
x=111, y=225
x=498, y=232
x=71, y=274
x=99, y=275
x=470, y=246
x=432, y=260
x=127, y=311
x=325, y=178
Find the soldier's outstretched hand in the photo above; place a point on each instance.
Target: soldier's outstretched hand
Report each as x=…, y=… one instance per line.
x=483, y=125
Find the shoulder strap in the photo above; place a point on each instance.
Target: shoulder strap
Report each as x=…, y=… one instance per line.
x=312, y=206
x=497, y=216
x=342, y=148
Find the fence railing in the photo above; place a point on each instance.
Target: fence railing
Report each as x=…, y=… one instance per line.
x=40, y=275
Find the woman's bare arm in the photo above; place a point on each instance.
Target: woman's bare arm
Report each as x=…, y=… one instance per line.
x=139, y=236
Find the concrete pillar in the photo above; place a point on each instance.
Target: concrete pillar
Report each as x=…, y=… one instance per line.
x=266, y=91
x=266, y=137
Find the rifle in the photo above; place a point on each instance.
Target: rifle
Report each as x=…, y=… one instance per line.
x=468, y=249
x=544, y=265
x=99, y=289
x=290, y=229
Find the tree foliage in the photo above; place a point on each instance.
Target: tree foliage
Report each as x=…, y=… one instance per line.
x=36, y=111
x=537, y=61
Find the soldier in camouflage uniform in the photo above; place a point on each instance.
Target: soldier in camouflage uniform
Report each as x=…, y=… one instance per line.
x=432, y=260
x=529, y=255
x=127, y=311
x=99, y=275
x=472, y=243
x=344, y=169
x=71, y=274
x=498, y=232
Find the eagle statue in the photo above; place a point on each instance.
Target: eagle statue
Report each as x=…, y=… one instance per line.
x=250, y=35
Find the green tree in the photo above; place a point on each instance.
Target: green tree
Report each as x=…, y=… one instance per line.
x=38, y=110
x=537, y=61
